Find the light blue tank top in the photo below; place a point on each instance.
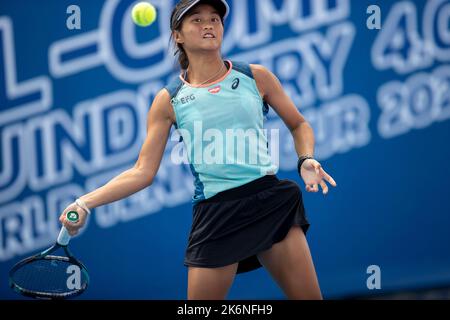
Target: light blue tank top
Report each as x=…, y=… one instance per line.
x=221, y=125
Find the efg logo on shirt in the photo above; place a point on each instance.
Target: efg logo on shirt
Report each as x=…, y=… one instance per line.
x=187, y=99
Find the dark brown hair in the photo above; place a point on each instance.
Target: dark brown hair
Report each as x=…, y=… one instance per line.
x=176, y=26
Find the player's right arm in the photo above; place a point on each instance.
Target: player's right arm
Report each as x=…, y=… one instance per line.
x=160, y=118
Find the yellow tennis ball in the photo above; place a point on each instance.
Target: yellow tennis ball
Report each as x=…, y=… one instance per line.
x=143, y=14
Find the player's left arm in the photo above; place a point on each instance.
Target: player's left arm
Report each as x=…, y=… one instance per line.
x=273, y=93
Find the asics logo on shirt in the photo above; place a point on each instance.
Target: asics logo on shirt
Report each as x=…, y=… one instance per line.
x=235, y=83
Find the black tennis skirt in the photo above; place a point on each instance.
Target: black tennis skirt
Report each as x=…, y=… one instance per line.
x=237, y=224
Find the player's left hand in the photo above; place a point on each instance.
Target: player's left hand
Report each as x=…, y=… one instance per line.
x=313, y=175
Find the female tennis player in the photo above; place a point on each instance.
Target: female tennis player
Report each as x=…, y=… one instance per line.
x=244, y=217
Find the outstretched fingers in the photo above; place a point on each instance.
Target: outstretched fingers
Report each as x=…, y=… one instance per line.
x=328, y=178
x=324, y=187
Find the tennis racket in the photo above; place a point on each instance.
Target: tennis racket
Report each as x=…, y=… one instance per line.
x=47, y=276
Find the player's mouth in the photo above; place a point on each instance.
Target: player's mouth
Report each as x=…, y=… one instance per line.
x=209, y=36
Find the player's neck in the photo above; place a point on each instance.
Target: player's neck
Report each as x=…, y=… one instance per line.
x=205, y=68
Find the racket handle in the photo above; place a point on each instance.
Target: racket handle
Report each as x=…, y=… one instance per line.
x=64, y=236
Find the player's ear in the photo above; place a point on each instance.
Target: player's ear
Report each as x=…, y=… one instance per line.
x=178, y=37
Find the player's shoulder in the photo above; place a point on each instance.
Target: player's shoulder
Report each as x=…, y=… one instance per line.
x=257, y=67
x=163, y=96
x=173, y=87
x=254, y=71
x=259, y=70
x=262, y=75
x=162, y=105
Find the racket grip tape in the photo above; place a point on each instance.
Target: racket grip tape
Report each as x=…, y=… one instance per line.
x=64, y=236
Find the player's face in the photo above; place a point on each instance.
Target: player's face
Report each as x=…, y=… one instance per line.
x=202, y=29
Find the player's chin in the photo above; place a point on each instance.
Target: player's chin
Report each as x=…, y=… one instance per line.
x=215, y=43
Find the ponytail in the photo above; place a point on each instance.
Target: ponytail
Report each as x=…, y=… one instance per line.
x=182, y=57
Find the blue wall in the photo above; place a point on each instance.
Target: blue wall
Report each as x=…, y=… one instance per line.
x=72, y=116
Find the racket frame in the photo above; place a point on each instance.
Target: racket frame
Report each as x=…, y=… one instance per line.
x=46, y=255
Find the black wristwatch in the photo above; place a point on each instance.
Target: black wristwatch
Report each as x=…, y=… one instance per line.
x=301, y=160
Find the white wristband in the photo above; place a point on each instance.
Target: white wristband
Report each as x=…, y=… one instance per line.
x=82, y=205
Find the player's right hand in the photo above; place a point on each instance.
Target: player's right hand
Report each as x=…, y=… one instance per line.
x=73, y=227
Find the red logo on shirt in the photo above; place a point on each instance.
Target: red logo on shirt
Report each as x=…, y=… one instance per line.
x=215, y=90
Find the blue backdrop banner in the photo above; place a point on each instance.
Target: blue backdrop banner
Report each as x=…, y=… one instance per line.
x=77, y=79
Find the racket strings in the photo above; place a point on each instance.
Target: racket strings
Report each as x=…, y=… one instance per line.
x=49, y=275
